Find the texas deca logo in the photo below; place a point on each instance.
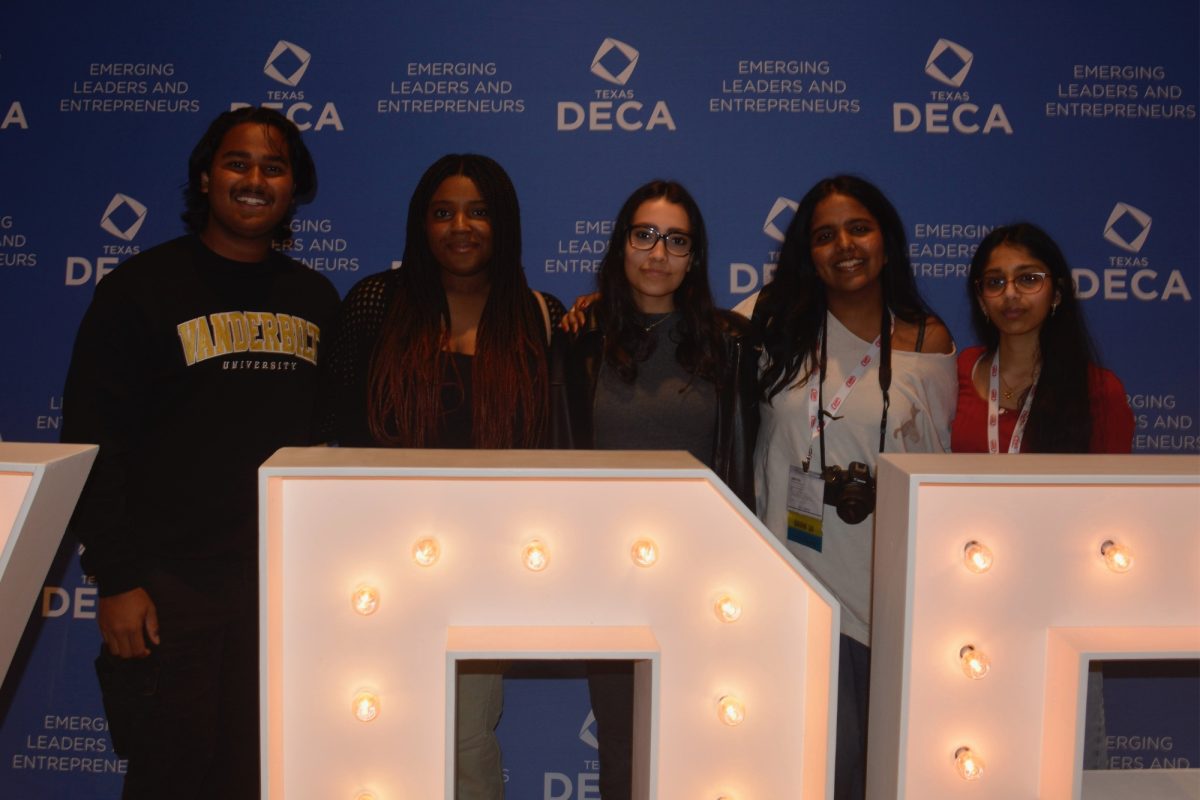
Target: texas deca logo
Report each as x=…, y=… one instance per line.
x=614, y=105
x=1129, y=276
x=286, y=65
x=746, y=278
x=123, y=217
x=950, y=108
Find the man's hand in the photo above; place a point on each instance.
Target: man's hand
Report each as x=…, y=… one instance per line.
x=123, y=618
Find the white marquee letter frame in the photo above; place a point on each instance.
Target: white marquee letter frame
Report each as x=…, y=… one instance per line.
x=39, y=485
x=334, y=518
x=1046, y=607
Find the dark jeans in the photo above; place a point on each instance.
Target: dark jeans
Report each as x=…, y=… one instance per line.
x=610, y=687
x=186, y=717
x=854, y=687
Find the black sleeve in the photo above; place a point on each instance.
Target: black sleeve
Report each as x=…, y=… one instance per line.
x=106, y=392
x=556, y=308
x=738, y=428
x=347, y=362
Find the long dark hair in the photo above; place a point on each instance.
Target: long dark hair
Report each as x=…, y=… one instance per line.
x=626, y=341
x=304, y=172
x=508, y=376
x=1060, y=420
x=791, y=309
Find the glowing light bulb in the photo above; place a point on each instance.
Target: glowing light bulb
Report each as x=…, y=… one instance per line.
x=977, y=557
x=366, y=796
x=426, y=552
x=366, y=705
x=535, y=555
x=365, y=599
x=731, y=710
x=975, y=663
x=644, y=552
x=1117, y=556
x=968, y=763
x=728, y=608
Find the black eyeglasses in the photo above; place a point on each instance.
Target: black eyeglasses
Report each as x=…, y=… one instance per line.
x=645, y=237
x=1026, y=283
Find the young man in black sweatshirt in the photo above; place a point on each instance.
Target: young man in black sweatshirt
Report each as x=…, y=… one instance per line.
x=196, y=360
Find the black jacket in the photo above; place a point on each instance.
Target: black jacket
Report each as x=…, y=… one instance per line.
x=578, y=368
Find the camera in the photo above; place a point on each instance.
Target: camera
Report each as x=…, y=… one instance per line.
x=851, y=491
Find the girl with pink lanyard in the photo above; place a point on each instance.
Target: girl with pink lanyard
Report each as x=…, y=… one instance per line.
x=1033, y=386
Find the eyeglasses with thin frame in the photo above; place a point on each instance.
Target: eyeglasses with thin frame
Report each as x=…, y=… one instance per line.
x=645, y=237
x=1026, y=283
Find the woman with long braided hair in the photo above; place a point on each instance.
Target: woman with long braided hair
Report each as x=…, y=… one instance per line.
x=451, y=351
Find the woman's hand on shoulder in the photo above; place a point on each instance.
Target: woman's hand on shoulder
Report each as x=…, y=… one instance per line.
x=576, y=315
x=732, y=322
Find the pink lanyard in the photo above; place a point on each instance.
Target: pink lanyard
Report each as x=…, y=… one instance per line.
x=869, y=357
x=1014, y=446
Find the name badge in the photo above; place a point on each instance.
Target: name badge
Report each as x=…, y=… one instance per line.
x=805, y=507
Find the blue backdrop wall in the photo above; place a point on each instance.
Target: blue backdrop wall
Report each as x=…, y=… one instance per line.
x=1080, y=116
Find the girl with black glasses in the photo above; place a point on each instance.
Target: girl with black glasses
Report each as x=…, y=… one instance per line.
x=656, y=367
x=1034, y=385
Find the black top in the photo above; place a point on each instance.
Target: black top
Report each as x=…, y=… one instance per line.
x=456, y=427
x=189, y=370
x=360, y=322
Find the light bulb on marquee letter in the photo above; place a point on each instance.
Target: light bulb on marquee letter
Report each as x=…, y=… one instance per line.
x=365, y=599
x=535, y=556
x=366, y=705
x=644, y=553
x=426, y=552
x=1117, y=556
x=968, y=763
x=728, y=608
x=977, y=557
x=975, y=663
x=731, y=710
x=365, y=796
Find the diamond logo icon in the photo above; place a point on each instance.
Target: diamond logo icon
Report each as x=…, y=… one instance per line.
x=1122, y=218
x=287, y=63
x=938, y=62
x=586, y=734
x=122, y=207
x=781, y=212
x=625, y=52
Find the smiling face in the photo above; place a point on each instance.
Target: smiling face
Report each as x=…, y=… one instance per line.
x=847, y=245
x=1014, y=312
x=655, y=274
x=459, y=228
x=250, y=191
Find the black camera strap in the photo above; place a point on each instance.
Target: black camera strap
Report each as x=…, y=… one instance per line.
x=885, y=378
